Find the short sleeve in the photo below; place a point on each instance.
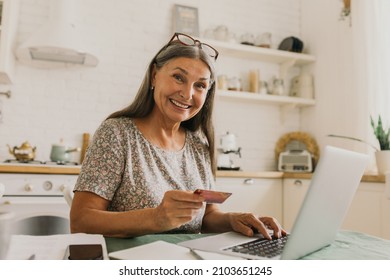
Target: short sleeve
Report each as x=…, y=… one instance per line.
x=104, y=164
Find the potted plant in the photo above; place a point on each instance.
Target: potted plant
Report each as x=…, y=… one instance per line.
x=382, y=154
x=381, y=134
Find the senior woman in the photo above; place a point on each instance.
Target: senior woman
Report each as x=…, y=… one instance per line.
x=145, y=161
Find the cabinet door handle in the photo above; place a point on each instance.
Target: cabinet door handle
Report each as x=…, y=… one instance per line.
x=298, y=183
x=249, y=181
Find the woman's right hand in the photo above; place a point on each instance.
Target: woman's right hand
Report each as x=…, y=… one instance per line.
x=177, y=208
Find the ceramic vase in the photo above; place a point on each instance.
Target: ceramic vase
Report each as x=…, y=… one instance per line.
x=383, y=161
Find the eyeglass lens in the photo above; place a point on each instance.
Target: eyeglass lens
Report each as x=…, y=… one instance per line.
x=191, y=42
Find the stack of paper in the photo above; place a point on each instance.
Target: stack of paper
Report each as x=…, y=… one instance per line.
x=50, y=247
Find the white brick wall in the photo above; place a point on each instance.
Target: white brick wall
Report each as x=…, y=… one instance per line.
x=48, y=105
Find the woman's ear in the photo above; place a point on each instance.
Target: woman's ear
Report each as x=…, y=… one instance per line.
x=153, y=75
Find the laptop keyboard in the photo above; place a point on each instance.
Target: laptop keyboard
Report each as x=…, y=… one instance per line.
x=261, y=247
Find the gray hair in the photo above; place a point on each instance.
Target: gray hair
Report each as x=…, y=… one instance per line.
x=143, y=102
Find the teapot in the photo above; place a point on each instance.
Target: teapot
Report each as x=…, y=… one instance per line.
x=24, y=152
x=61, y=153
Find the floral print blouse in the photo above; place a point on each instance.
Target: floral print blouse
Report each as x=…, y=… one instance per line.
x=122, y=166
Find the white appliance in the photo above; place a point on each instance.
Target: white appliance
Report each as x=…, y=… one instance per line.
x=228, y=146
x=59, y=42
x=295, y=161
x=37, y=201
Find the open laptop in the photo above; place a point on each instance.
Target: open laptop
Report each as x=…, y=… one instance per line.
x=332, y=188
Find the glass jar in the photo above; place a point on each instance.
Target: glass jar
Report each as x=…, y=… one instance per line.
x=234, y=83
x=264, y=40
x=278, y=87
x=222, y=82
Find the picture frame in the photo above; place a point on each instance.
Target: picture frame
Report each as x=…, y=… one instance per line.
x=185, y=20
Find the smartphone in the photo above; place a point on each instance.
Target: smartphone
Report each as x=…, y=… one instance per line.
x=213, y=196
x=84, y=252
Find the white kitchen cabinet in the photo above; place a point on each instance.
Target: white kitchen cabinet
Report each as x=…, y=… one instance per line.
x=284, y=59
x=368, y=213
x=294, y=191
x=8, y=27
x=260, y=196
x=369, y=210
x=386, y=211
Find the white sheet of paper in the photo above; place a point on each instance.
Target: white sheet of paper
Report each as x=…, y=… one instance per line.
x=161, y=250
x=215, y=256
x=50, y=247
x=157, y=250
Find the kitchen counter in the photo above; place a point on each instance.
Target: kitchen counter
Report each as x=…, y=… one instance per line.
x=40, y=169
x=373, y=178
x=75, y=170
x=254, y=174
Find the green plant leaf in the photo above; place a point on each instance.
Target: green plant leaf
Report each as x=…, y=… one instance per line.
x=352, y=138
x=381, y=135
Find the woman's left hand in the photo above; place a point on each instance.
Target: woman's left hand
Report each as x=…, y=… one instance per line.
x=248, y=224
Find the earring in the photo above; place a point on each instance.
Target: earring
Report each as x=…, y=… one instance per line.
x=152, y=88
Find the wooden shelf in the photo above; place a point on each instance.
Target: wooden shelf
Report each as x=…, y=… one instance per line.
x=262, y=54
x=284, y=59
x=266, y=98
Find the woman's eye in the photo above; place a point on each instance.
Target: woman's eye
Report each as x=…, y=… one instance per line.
x=178, y=78
x=201, y=86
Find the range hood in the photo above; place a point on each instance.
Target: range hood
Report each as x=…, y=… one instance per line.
x=59, y=43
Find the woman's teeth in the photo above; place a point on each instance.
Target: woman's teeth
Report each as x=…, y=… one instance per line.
x=179, y=104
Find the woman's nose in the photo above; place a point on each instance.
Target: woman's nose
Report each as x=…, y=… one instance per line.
x=187, y=92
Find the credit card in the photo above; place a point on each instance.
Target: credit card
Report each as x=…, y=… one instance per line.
x=213, y=196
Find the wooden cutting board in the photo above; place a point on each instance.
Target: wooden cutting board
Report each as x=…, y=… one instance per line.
x=84, y=146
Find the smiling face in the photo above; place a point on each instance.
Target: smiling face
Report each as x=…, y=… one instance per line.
x=180, y=89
